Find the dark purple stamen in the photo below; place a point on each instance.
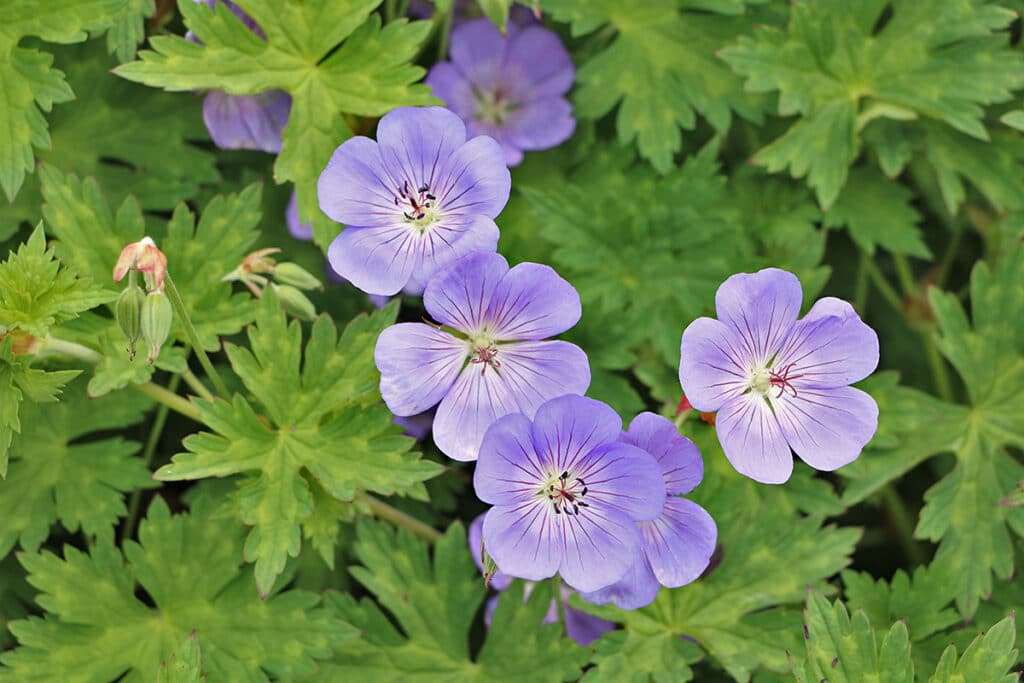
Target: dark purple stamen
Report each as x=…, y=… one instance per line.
x=782, y=380
x=565, y=494
x=417, y=202
x=486, y=356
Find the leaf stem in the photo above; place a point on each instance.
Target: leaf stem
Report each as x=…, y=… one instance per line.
x=170, y=399
x=905, y=275
x=556, y=581
x=63, y=347
x=193, y=337
x=446, y=31
x=399, y=518
x=862, y=286
x=937, y=365
x=904, y=526
x=195, y=385
x=128, y=526
x=887, y=291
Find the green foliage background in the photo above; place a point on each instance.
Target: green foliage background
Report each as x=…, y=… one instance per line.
x=152, y=531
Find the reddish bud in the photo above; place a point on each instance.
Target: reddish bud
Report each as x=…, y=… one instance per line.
x=145, y=257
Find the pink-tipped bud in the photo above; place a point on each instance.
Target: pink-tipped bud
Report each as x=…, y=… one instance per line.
x=145, y=257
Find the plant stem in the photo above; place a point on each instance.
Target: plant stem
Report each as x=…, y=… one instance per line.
x=905, y=275
x=399, y=518
x=887, y=291
x=170, y=399
x=446, y=30
x=52, y=345
x=904, y=527
x=862, y=286
x=939, y=370
x=557, y=583
x=193, y=337
x=948, y=256
x=128, y=527
x=195, y=385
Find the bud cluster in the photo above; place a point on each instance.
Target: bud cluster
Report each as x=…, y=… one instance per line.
x=258, y=271
x=145, y=314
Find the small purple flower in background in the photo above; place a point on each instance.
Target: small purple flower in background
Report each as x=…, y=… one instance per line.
x=298, y=229
x=501, y=365
x=677, y=545
x=778, y=382
x=566, y=493
x=414, y=201
x=510, y=88
x=245, y=121
x=582, y=627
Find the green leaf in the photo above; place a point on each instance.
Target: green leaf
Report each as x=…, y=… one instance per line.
x=129, y=28
x=332, y=56
x=921, y=602
x=185, y=665
x=29, y=84
x=186, y=570
x=1014, y=119
x=660, y=69
x=326, y=422
x=632, y=655
x=841, y=67
x=37, y=292
x=962, y=511
x=62, y=473
x=108, y=133
x=117, y=369
x=496, y=11
x=987, y=660
x=434, y=604
x=877, y=211
x=740, y=612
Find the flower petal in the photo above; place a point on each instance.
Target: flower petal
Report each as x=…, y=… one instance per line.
x=585, y=628
x=622, y=478
x=532, y=302
x=525, y=541
x=478, y=51
x=418, y=364
x=569, y=427
x=679, y=459
x=539, y=124
x=417, y=142
x=377, y=260
x=530, y=374
x=752, y=440
x=638, y=588
x=474, y=180
x=714, y=364
x=508, y=471
x=600, y=547
x=452, y=86
x=460, y=294
x=247, y=121
x=678, y=544
x=828, y=428
x=454, y=237
x=830, y=347
x=355, y=188
x=537, y=65
x=762, y=307
x=298, y=229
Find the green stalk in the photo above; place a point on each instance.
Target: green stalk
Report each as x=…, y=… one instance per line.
x=399, y=518
x=52, y=345
x=862, y=286
x=557, y=583
x=196, y=385
x=169, y=399
x=904, y=526
x=887, y=291
x=193, y=337
x=446, y=31
x=128, y=527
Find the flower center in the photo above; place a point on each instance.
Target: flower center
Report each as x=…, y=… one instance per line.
x=493, y=107
x=484, y=353
x=765, y=380
x=419, y=207
x=566, y=493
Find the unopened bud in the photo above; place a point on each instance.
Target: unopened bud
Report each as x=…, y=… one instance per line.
x=295, y=302
x=157, y=316
x=129, y=314
x=145, y=257
x=296, y=276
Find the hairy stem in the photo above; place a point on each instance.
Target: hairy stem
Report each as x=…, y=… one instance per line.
x=169, y=399
x=399, y=518
x=62, y=347
x=196, y=385
x=193, y=337
x=128, y=526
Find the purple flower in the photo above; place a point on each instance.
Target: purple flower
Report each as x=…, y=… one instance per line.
x=298, y=229
x=245, y=121
x=414, y=201
x=566, y=493
x=778, y=382
x=676, y=546
x=582, y=627
x=498, y=364
x=510, y=88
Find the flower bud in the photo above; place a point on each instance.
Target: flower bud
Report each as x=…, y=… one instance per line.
x=157, y=316
x=295, y=302
x=128, y=311
x=297, y=276
x=145, y=257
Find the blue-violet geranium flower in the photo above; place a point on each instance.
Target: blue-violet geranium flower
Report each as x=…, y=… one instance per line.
x=245, y=121
x=510, y=88
x=419, y=197
x=676, y=546
x=778, y=382
x=499, y=364
x=566, y=494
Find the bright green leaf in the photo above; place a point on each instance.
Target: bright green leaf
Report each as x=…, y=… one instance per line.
x=185, y=665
